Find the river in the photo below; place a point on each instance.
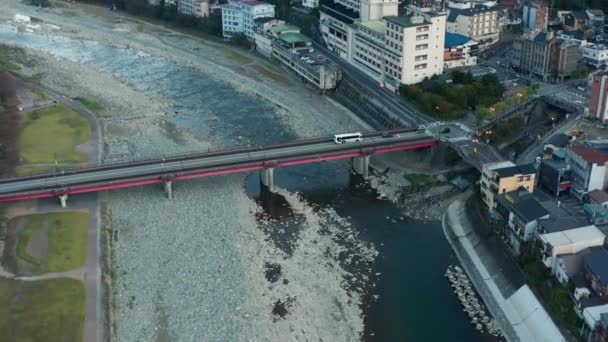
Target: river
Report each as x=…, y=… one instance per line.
x=206, y=265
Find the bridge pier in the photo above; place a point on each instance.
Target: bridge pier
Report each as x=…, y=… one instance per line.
x=63, y=199
x=169, y=189
x=267, y=178
x=361, y=166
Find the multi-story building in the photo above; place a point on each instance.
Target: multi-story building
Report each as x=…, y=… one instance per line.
x=465, y=4
x=523, y=222
x=588, y=167
x=573, y=20
x=535, y=16
x=568, y=241
x=555, y=175
x=480, y=23
x=595, y=55
x=544, y=55
x=200, y=8
x=459, y=51
x=596, y=20
x=238, y=16
x=185, y=7
x=389, y=48
x=503, y=177
x=598, y=96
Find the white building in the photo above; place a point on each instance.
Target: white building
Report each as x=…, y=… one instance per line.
x=595, y=55
x=464, y=4
x=479, y=23
x=185, y=7
x=238, y=16
x=589, y=166
x=389, y=48
x=569, y=241
x=263, y=34
x=310, y=3
x=460, y=51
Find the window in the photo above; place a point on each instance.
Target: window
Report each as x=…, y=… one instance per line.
x=422, y=29
x=420, y=66
x=520, y=179
x=422, y=37
x=422, y=47
x=421, y=58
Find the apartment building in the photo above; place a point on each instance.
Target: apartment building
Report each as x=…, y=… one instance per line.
x=238, y=16
x=598, y=96
x=535, y=16
x=595, y=55
x=503, y=177
x=480, y=23
x=544, y=55
x=310, y=4
x=459, y=51
x=389, y=48
x=588, y=167
x=185, y=7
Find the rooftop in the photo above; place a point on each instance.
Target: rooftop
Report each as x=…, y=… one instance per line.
x=597, y=262
x=284, y=28
x=529, y=210
x=374, y=25
x=596, y=12
x=559, y=140
x=589, y=154
x=498, y=165
x=592, y=314
x=294, y=37
x=580, y=14
x=558, y=224
x=479, y=9
x=572, y=236
x=251, y=2
x=406, y=21
x=510, y=171
x=455, y=39
x=598, y=196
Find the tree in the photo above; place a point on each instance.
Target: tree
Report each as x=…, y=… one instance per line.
x=460, y=77
x=239, y=39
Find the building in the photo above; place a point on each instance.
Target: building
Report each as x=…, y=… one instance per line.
x=557, y=142
x=460, y=51
x=598, y=96
x=596, y=20
x=264, y=36
x=569, y=241
x=523, y=222
x=544, y=55
x=465, y=4
x=573, y=20
x=389, y=48
x=555, y=174
x=599, y=197
x=508, y=4
x=294, y=50
x=595, y=327
x=480, y=23
x=596, y=270
x=588, y=169
x=595, y=55
x=502, y=177
x=185, y=7
x=535, y=16
x=597, y=214
x=569, y=265
x=238, y=16
x=310, y=4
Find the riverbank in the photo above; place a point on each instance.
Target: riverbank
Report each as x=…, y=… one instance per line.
x=519, y=314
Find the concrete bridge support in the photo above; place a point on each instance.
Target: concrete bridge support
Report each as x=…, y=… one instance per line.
x=169, y=189
x=361, y=166
x=267, y=178
x=63, y=199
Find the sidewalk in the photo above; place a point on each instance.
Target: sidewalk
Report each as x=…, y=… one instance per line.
x=516, y=310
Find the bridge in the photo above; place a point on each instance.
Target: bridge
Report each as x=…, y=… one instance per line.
x=189, y=166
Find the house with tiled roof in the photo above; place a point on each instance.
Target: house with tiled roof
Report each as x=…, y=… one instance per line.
x=588, y=167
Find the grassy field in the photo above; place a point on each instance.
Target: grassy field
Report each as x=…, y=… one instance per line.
x=90, y=104
x=53, y=133
x=34, y=94
x=46, y=310
x=67, y=240
x=33, y=170
x=419, y=179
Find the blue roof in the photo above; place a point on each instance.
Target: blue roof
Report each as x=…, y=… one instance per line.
x=455, y=39
x=597, y=261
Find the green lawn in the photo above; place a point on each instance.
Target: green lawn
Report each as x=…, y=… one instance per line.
x=47, y=310
x=34, y=94
x=90, y=104
x=67, y=240
x=33, y=170
x=53, y=133
x=419, y=179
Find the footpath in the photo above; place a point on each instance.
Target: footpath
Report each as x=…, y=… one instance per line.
x=517, y=311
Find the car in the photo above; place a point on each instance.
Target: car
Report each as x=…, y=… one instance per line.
x=445, y=130
x=387, y=134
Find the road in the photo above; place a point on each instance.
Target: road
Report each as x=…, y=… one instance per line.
x=217, y=162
